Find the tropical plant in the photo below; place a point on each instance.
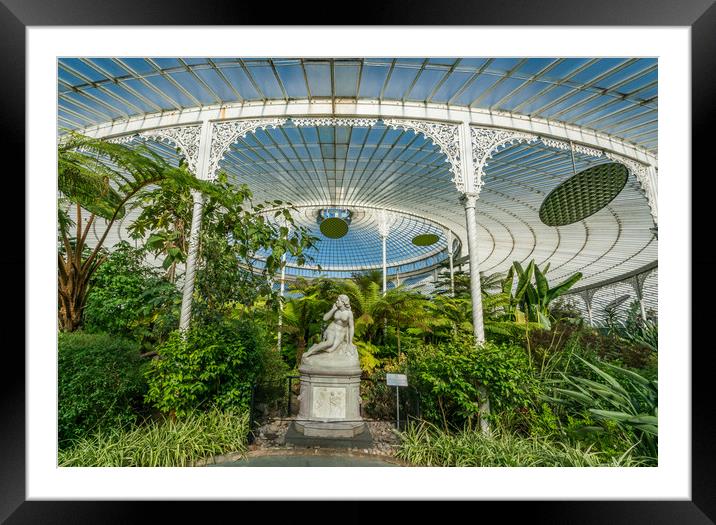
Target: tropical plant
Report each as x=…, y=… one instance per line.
x=615, y=398
x=425, y=444
x=170, y=443
x=461, y=283
x=129, y=299
x=451, y=378
x=209, y=364
x=101, y=178
x=100, y=383
x=452, y=316
x=530, y=301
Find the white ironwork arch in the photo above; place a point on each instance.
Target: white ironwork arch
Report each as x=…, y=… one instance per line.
x=370, y=109
x=185, y=138
x=225, y=133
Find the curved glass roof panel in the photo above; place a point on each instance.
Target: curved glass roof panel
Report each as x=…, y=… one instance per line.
x=572, y=90
x=361, y=248
x=377, y=167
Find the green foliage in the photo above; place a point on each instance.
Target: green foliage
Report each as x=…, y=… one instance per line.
x=426, y=445
x=102, y=178
x=129, y=299
x=378, y=399
x=636, y=330
x=233, y=231
x=564, y=310
x=213, y=364
x=450, y=377
x=367, y=353
x=617, y=399
x=100, y=383
x=170, y=443
x=530, y=301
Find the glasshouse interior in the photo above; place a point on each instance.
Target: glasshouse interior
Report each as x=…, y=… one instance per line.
x=423, y=261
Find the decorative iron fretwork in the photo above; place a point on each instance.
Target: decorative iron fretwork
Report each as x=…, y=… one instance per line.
x=646, y=176
x=443, y=135
x=485, y=142
x=224, y=134
x=578, y=148
x=384, y=220
x=333, y=121
x=123, y=139
x=185, y=138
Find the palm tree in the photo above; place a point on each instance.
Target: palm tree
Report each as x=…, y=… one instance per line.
x=302, y=313
x=101, y=178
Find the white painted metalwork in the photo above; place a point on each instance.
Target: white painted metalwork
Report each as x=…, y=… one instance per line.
x=369, y=109
x=450, y=258
x=201, y=145
x=225, y=133
x=384, y=222
x=444, y=135
x=484, y=143
x=186, y=138
x=191, y=260
x=511, y=170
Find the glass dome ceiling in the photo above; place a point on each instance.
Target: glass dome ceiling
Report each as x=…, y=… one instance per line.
x=615, y=96
x=369, y=167
x=361, y=248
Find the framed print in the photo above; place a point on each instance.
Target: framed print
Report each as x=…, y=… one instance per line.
x=460, y=120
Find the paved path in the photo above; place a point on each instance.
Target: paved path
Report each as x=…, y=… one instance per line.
x=305, y=460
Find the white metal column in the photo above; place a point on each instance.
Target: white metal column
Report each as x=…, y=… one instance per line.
x=280, y=304
x=637, y=283
x=588, y=296
x=385, y=264
x=450, y=257
x=384, y=220
x=469, y=201
x=191, y=260
x=470, y=192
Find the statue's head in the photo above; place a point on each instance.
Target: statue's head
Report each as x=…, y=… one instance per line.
x=345, y=300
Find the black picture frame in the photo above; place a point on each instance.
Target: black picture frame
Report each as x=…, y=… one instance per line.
x=699, y=15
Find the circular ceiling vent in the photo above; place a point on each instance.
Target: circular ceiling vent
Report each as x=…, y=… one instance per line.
x=425, y=239
x=584, y=194
x=334, y=222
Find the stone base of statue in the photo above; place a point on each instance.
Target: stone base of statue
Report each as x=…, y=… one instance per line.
x=329, y=402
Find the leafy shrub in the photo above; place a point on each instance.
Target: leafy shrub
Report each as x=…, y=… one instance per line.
x=131, y=300
x=425, y=444
x=100, y=383
x=378, y=399
x=214, y=363
x=449, y=377
x=169, y=443
x=620, y=402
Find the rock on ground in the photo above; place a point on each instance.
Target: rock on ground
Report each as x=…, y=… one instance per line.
x=271, y=437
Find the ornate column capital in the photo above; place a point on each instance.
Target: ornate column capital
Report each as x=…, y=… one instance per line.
x=469, y=200
x=588, y=295
x=384, y=221
x=484, y=142
x=225, y=133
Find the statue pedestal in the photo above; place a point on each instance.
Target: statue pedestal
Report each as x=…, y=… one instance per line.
x=329, y=399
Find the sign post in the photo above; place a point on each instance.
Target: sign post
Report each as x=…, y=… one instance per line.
x=396, y=380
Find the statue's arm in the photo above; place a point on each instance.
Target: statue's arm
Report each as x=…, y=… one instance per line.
x=351, y=328
x=330, y=314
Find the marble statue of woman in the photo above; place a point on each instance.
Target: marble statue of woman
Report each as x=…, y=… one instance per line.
x=339, y=333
